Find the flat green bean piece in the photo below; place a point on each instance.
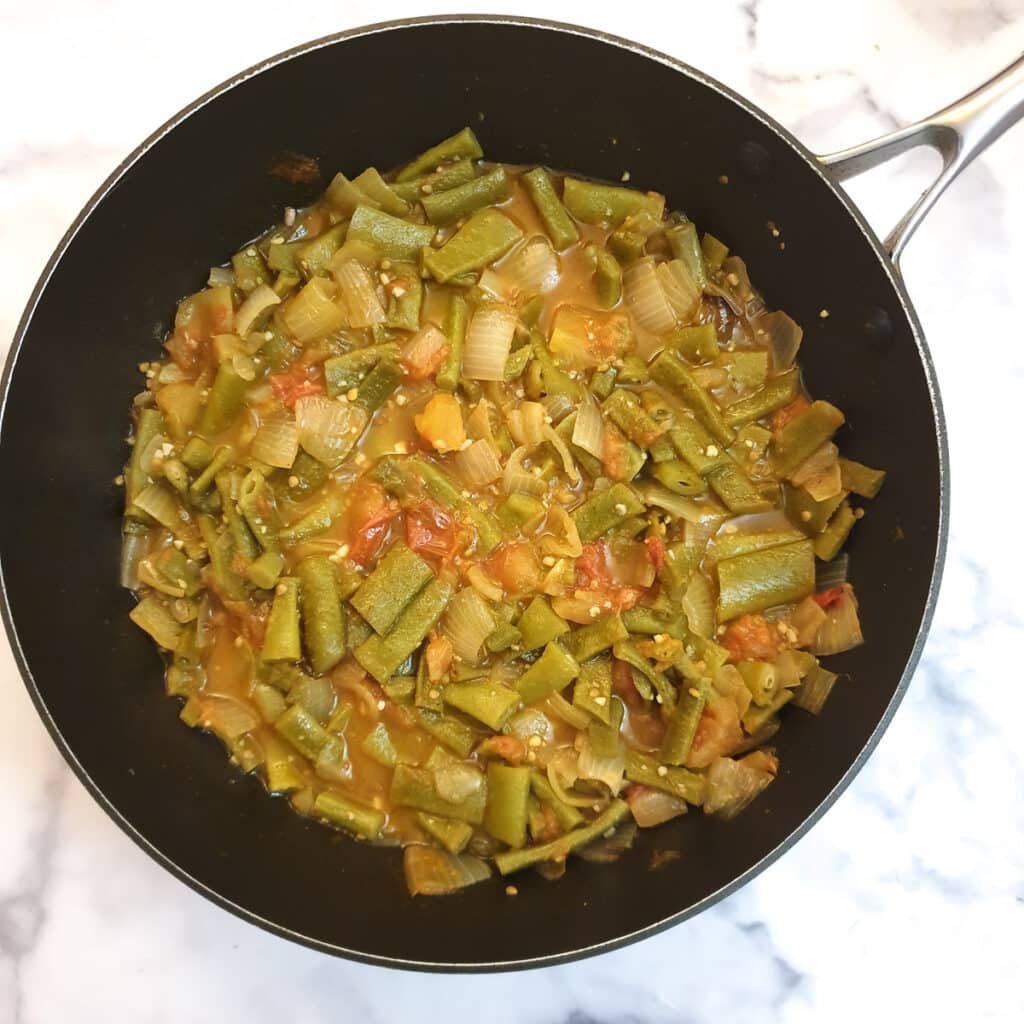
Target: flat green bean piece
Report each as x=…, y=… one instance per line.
x=753, y=582
x=567, y=816
x=414, y=787
x=336, y=810
x=682, y=727
x=371, y=184
x=377, y=745
x=265, y=570
x=392, y=237
x=508, y=791
x=224, y=402
x=196, y=454
x=759, y=677
x=623, y=408
x=257, y=505
x=696, y=445
x=539, y=625
x=315, y=521
x=281, y=641
x=593, y=689
x=558, y=849
x=456, y=735
x=454, y=329
x=833, y=537
x=672, y=373
x=554, y=670
x=229, y=482
x=404, y=307
x=677, y=781
x=757, y=717
x=774, y=394
x=222, y=458
x=226, y=580
x=381, y=656
x=323, y=626
x=484, y=238
x=587, y=641
x=399, y=576
x=605, y=510
x=150, y=425
x=608, y=205
x=453, y=204
x=344, y=196
x=607, y=276
x=698, y=344
x=312, y=257
x=557, y=222
x=342, y=373
x=811, y=516
x=463, y=144
x=662, y=689
x=487, y=702
x=306, y=734
x=729, y=545
x=803, y=435
x=733, y=486
x=685, y=246
x=678, y=477
x=860, y=479
x=450, y=175
x=452, y=835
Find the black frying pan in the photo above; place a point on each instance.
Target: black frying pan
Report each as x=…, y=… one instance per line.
x=535, y=92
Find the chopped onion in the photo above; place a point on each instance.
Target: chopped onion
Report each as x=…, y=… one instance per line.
x=652, y=807
x=784, y=336
x=483, y=584
x=276, y=443
x=606, y=770
x=557, y=406
x=699, y=605
x=478, y=422
x=488, y=342
x=526, y=423
x=133, y=547
x=328, y=429
x=258, y=301
x=831, y=574
x=160, y=502
x=332, y=764
x=815, y=689
x=646, y=297
x=841, y=629
x=532, y=269
x=568, y=463
x=532, y=722
x=478, y=463
x=312, y=312
x=562, y=775
x=221, y=277
x=518, y=480
x=806, y=618
x=228, y=717
x=422, y=353
x=710, y=378
x=682, y=293
x=467, y=623
x=733, y=784
x=316, y=695
x=588, y=430
x=152, y=616
x=433, y=872
x=357, y=294
x=152, y=453
x=729, y=683
x=455, y=781
x=493, y=285
x=171, y=373
x=562, y=538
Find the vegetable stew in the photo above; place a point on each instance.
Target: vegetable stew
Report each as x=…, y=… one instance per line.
x=482, y=510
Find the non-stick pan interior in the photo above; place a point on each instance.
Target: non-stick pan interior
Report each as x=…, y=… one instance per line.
x=534, y=94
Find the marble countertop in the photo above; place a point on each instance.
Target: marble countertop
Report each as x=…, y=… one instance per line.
x=907, y=900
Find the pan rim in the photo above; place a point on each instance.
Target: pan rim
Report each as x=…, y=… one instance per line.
x=582, y=951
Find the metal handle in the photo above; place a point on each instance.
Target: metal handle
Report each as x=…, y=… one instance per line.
x=960, y=132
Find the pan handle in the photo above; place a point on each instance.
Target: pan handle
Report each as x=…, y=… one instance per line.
x=959, y=132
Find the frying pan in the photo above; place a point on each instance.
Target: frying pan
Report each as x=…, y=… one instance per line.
x=536, y=92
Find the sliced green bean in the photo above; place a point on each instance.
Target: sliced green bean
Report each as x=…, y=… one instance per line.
x=454, y=329
x=753, y=582
x=860, y=479
x=487, y=702
x=605, y=510
x=224, y=402
x=833, y=537
x=452, y=835
x=456, y=203
x=323, y=625
x=508, y=791
x=484, y=238
x=803, y=435
x=539, y=625
x=336, y=810
x=382, y=597
x=392, y=237
x=554, y=670
x=682, y=727
x=281, y=641
x=672, y=373
x=587, y=641
x=463, y=144
x=414, y=787
x=608, y=205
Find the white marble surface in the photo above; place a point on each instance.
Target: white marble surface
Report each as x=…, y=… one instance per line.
x=907, y=901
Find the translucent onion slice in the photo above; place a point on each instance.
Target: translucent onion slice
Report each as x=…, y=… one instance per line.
x=258, y=301
x=276, y=443
x=606, y=770
x=699, y=606
x=733, y=784
x=558, y=407
x=133, y=548
x=680, y=290
x=422, y=352
x=357, y=294
x=561, y=537
x=328, y=429
x=228, y=717
x=478, y=464
x=532, y=269
x=645, y=297
x=467, y=623
x=160, y=502
x=312, y=313
x=488, y=342
x=483, y=584
x=841, y=629
x=519, y=480
x=784, y=336
x=815, y=690
x=526, y=423
x=433, y=872
x=588, y=430
x=221, y=277
x=568, y=463
x=652, y=807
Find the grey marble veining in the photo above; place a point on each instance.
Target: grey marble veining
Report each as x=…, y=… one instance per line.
x=906, y=902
